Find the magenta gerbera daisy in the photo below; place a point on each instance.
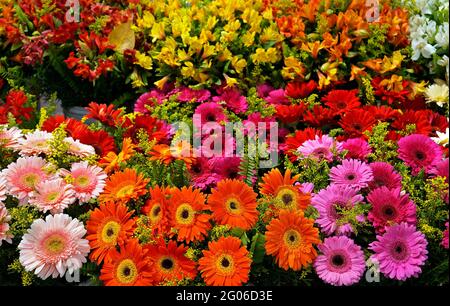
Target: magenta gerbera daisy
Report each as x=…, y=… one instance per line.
x=148, y=99
x=4, y=226
x=53, y=195
x=210, y=112
x=341, y=262
x=35, y=143
x=233, y=99
x=400, y=252
x=419, y=152
x=322, y=147
x=88, y=181
x=23, y=175
x=187, y=94
x=441, y=168
x=326, y=201
x=54, y=246
x=353, y=173
x=390, y=207
x=357, y=148
x=384, y=175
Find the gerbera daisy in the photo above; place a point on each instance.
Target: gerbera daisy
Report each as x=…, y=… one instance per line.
x=298, y=90
x=293, y=142
x=323, y=147
x=341, y=262
x=444, y=242
x=187, y=94
x=170, y=262
x=187, y=215
x=390, y=207
x=202, y=175
x=87, y=181
x=353, y=173
x=4, y=226
x=356, y=122
x=124, y=186
x=357, y=148
x=148, y=99
x=419, y=152
x=326, y=201
x=157, y=130
x=10, y=137
x=78, y=149
x=52, y=195
x=108, y=226
x=112, y=161
x=35, y=143
x=106, y=114
x=400, y=251
x=225, y=263
x=234, y=203
x=227, y=167
x=382, y=113
x=276, y=97
x=128, y=267
x=3, y=189
x=54, y=246
x=291, y=238
x=233, y=99
x=418, y=118
x=210, y=112
x=319, y=117
x=290, y=113
x=23, y=175
x=282, y=188
x=384, y=175
x=437, y=93
x=342, y=101
x=156, y=208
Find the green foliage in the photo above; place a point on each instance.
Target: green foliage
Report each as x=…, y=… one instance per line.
x=248, y=169
x=310, y=170
x=21, y=219
x=258, y=105
x=27, y=278
x=383, y=150
x=350, y=215
x=172, y=110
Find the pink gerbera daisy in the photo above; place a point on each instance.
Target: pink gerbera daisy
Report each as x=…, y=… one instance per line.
x=419, y=152
x=445, y=236
x=88, y=181
x=78, y=149
x=187, y=94
x=23, y=175
x=53, y=195
x=357, y=148
x=326, y=200
x=9, y=138
x=148, y=99
x=441, y=168
x=4, y=226
x=322, y=147
x=400, y=251
x=233, y=100
x=3, y=190
x=390, y=207
x=210, y=112
x=35, y=143
x=384, y=175
x=202, y=176
x=353, y=173
x=54, y=246
x=227, y=167
x=341, y=262
x=277, y=96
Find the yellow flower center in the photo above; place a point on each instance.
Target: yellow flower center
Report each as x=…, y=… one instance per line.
x=126, y=272
x=52, y=196
x=286, y=198
x=54, y=244
x=155, y=213
x=125, y=191
x=292, y=239
x=30, y=180
x=110, y=232
x=82, y=181
x=167, y=264
x=225, y=264
x=185, y=214
x=233, y=206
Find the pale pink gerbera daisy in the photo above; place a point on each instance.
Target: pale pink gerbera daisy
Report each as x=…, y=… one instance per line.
x=341, y=262
x=9, y=138
x=53, y=195
x=353, y=173
x=3, y=190
x=23, y=175
x=400, y=252
x=78, y=149
x=54, y=246
x=88, y=181
x=4, y=226
x=322, y=147
x=419, y=152
x=35, y=143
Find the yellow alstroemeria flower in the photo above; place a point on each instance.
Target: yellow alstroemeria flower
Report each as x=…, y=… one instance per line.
x=143, y=60
x=238, y=64
x=188, y=71
x=157, y=31
x=248, y=39
x=292, y=68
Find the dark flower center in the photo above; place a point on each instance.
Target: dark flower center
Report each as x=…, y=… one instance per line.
x=126, y=271
x=156, y=211
x=167, y=263
x=286, y=198
x=389, y=211
x=338, y=260
x=420, y=155
x=185, y=214
x=357, y=127
x=341, y=105
x=210, y=117
x=110, y=232
x=292, y=238
x=233, y=205
x=225, y=263
x=351, y=177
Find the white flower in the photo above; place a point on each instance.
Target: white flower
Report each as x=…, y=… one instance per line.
x=437, y=93
x=35, y=143
x=442, y=36
x=422, y=47
x=442, y=138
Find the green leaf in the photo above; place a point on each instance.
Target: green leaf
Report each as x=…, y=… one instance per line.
x=257, y=248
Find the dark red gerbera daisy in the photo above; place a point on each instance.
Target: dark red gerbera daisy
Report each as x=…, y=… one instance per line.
x=319, y=116
x=382, y=113
x=290, y=113
x=437, y=121
x=297, y=139
x=102, y=142
x=418, y=118
x=51, y=123
x=342, y=101
x=356, y=122
x=298, y=90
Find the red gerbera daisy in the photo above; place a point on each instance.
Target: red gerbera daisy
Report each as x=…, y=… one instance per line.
x=290, y=113
x=155, y=128
x=319, y=116
x=382, y=113
x=356, y=122
x=102, y=142
x=298, y=90
x=342, y=101
x=418, y=118
x=437, y=121
x=106, y=114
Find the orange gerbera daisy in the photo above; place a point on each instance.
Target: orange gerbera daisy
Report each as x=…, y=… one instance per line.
x=170, y=263
x=108, y=226
x=112, y=161
x=156, y=208
x=128, y=267
x=123, y=186
x=226, y=263
x=291, y=239
x=234, y=203
x=186, y=207
x=282, y=188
